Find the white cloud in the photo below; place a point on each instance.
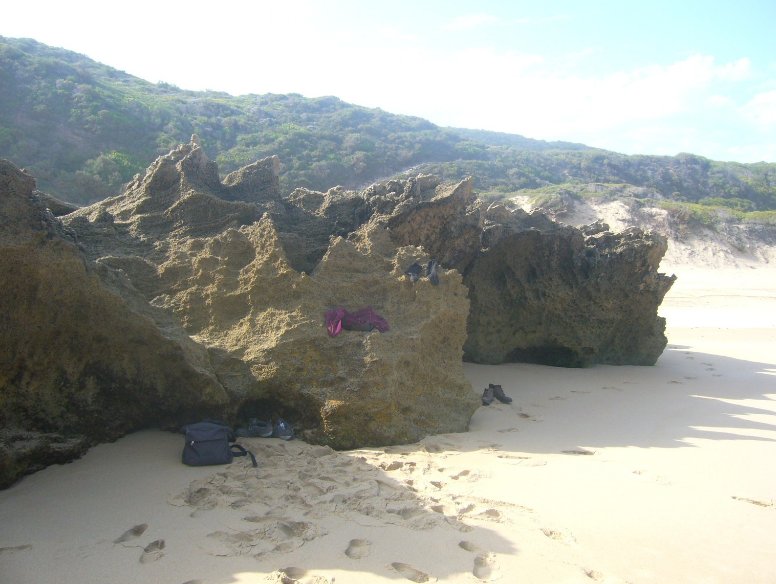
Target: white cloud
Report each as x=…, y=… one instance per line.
x=685, y=106
x=693, y=104
x=761, y=109
x=469, y=21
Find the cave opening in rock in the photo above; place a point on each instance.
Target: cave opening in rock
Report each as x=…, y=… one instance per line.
x=555, y=355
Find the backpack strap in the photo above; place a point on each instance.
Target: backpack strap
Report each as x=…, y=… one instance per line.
x=241, y=451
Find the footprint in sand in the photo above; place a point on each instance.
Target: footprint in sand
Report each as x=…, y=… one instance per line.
x=395, y=465
x=489, y=515
x=757, y=502
x=409, y=572
x=594, y=575
x=483, y=566
x=358, y=548
x=15, y=548
x=132, y=533
x=484, y=563
x=579, y=452
x=293, y=573
x=557, y=535
x=434, y=448
x=523, y=460
x=463, y=473
x=194, y=582
x=152, y=552
x=470, y=546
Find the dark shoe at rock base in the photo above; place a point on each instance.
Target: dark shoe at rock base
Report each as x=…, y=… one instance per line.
x=431, y=272
x=488, y=396
x=414, y=271
x=283, y=430
x=499, y=394
x=255, y=429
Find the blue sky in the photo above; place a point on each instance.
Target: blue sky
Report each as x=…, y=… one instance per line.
x=650, y=77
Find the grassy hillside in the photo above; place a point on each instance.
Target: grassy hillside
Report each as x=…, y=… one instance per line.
x=83, y=129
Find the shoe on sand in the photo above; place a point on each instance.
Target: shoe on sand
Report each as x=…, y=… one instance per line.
x=260, y=428
x=499, y=394
x=283, y=430
x=488, y=396
x=255, y=429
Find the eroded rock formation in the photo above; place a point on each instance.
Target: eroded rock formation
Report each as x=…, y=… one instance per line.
x=186, y=295
x=169, y=302
x=83, y=357
x=542, y=292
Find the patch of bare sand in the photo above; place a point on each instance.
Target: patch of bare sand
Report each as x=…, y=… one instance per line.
x=607, y=474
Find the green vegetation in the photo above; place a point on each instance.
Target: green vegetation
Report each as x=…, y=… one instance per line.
x=84, y=129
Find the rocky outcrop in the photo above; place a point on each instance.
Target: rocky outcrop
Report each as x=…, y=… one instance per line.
x=559, y=298
x=185, y=296
x=542, y=292
x=168, y=302
x=223, y=269
x=83, y=358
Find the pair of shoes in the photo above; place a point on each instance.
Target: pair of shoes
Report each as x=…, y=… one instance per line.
x=255, y=429
x=283, y=430
x=494, y=392
x=499, y=394
x=414, y=272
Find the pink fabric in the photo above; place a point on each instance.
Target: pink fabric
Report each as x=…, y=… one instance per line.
x=334, y=321
x=364, y=319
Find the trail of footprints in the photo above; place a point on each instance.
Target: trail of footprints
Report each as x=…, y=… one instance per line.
x=315, y=482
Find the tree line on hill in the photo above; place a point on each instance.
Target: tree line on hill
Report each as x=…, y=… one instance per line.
x=83, y=129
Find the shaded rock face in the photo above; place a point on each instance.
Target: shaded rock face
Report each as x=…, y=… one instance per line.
x=541, y=292
x=83, y=358
x=558, y=298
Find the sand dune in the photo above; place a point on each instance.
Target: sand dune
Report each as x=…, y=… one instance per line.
x=608, y=474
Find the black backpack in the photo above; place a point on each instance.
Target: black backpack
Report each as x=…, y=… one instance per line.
x=211, y=442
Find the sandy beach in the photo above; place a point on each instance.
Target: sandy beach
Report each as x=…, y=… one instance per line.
x=659, y=474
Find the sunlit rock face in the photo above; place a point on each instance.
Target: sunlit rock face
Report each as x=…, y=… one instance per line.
x=170, y=302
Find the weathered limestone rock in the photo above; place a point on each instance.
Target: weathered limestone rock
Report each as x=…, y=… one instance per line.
x=223, y=270
x=558, y=298
x=254, y=183
x=540, y=292
x=447, y=227
x=186, y=296
x=357, y=388
x=83, y=358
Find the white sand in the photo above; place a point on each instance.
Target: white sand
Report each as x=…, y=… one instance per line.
x=663, y=474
